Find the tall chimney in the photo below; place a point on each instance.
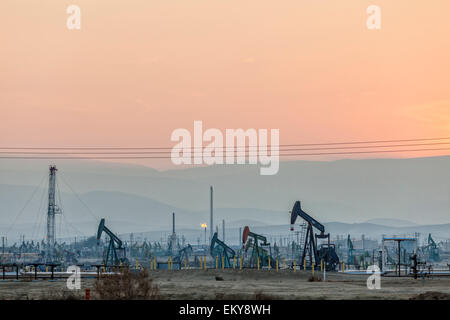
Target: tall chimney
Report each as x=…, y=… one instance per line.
x=211, y=225
x=173, y=222
x=240, y=236
x=223, y=230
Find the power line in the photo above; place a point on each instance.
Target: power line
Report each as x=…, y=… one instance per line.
x=360, y=152
x=219, y=148
x=63, y=213
x=77, y=231
x=165, y=157
x=26, y=204
x=39, y=213
x=79, y=199
x=281, y=145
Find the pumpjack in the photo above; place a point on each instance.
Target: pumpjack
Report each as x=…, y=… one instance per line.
x=326, y=252
x=219, y=249
x=257, y=243
x=430, y=252
x=115, y=255
x=183, y=254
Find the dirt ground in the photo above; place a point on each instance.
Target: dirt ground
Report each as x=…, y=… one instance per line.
x=247, y=284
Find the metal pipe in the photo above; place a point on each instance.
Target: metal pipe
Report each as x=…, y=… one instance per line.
x=211, y=214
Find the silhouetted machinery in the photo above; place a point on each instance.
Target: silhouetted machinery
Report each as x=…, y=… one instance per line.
x=115, y=254
x=350, y=257
x=183, y=254
x=312, y=254
x=260, y=249
x=219, y=249
x=431, y=250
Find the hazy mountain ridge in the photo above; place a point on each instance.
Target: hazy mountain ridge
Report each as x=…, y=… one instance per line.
x=392, y=222
x=350, y=191
x=274, y=232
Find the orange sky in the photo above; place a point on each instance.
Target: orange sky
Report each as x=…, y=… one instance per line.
x=138, y=69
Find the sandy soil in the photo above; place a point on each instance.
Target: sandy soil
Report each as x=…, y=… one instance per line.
x=246, y=284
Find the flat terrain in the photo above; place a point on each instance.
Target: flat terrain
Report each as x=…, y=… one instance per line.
x=245, y=284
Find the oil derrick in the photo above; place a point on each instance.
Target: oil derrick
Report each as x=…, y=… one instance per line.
x=51, y=212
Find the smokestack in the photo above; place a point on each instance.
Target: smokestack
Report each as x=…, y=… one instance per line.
x=173, y=222
x=240, y=236
x=211, y=225
x=223, y=230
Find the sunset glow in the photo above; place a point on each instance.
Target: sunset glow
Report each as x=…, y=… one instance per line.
x=136, y=72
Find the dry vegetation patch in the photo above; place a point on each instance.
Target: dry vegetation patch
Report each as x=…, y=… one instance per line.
x=431, y=295
x=126, y=285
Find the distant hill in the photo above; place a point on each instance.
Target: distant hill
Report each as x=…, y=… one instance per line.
x=246, y=222
x=132, y=197
x=124, y=213
x=392, y=222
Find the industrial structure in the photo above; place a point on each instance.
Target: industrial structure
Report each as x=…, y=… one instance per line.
x=211, y=220
x=312, y=254
x=257, y=249
x=52, y=210
x=309, y=248
x=115, y=254
x=223, y=253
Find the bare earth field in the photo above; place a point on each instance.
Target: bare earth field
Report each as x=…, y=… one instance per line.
x=245, y=284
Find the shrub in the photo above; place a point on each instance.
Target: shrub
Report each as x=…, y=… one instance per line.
x=314, y=279
x=260, y=295
x=126, y=285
